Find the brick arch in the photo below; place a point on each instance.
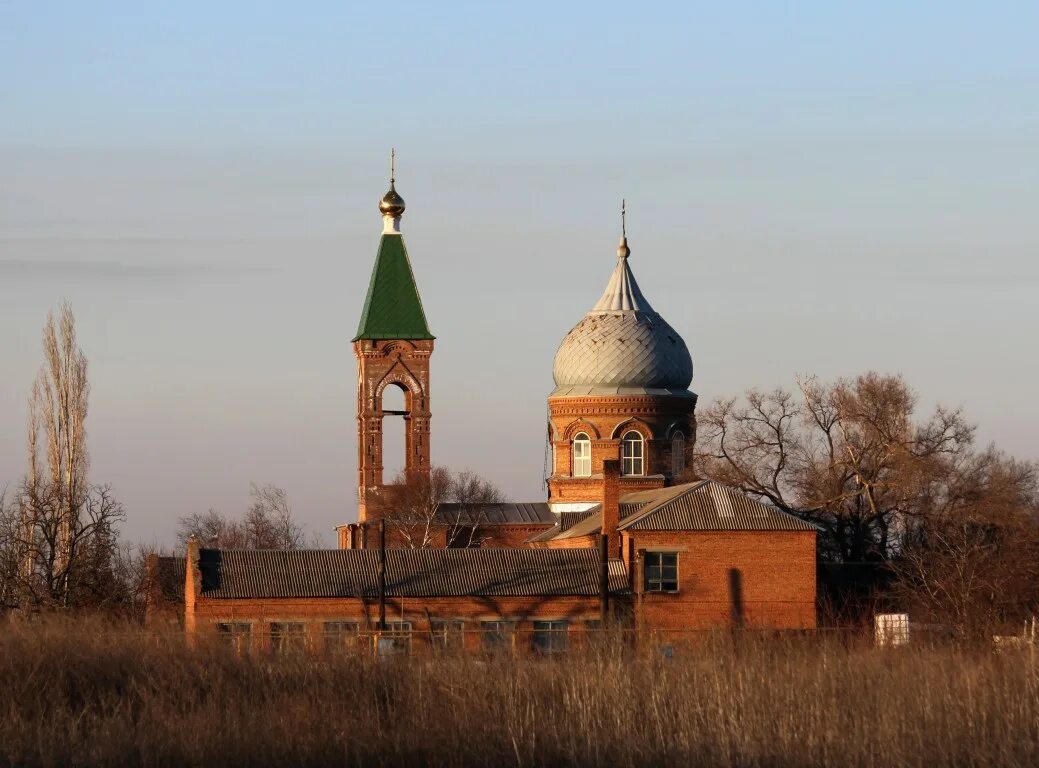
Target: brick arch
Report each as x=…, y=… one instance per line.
x=581, y=425
x=633, y=423
x=677, y=426
x=400, y=376
x=400, y=345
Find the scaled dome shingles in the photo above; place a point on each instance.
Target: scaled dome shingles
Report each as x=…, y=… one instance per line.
x=622, y=346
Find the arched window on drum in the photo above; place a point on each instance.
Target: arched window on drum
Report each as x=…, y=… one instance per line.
x=632, y=453
x=677, y=454
x=582, y=455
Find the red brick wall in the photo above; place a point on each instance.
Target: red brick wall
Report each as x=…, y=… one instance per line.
x=400, y=363
x=471, y=610
x=600, y=418
x=776, y=579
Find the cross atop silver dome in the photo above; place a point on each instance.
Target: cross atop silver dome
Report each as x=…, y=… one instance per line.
x=622, y=345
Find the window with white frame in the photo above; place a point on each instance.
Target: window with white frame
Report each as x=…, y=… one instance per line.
x=677, y=454
x=497, y=634
x=551, y=636
x=447, y=633
x=341, y=636
x=288, y=637
x=582, y=455
x=237, y=634
x=395, y=640
x=632, y=453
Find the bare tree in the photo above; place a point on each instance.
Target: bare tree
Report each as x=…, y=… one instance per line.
x=848, y=456
x=63, y=534
x=442, y=508
x=63, y=562
x=905, y=500
x=973, y=559
x=268, y=523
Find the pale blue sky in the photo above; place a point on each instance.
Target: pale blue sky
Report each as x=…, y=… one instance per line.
x=823, y=188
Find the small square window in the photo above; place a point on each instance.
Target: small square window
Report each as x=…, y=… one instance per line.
x=288, y=637
x=237, y=634
x=497, y=635
x=550, y=637
x=661, y=572
x=447, y=633
x=396, y=640
x=341, y=636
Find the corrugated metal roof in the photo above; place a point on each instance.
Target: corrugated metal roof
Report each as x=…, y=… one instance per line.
x=700, y=506
x=710, y=506
x=512, y=513
x=410, y=573
x=567, y=520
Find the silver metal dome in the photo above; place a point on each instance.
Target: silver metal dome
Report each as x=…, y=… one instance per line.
x=622, y=346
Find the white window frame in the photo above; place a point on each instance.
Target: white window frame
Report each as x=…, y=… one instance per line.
x=633, y=461
x=341, y=636
x=288, y=637
x=237, y=634
x=582, y=464
x=496, y=634
x=447, y=633
x=551, y=636
x=677, y=454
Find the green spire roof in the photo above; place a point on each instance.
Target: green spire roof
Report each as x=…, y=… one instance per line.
x=393, y=309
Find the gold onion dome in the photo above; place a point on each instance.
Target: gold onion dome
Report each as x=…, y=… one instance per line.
x=391, y=204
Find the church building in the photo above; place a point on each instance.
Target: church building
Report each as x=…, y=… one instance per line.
x=624, y=536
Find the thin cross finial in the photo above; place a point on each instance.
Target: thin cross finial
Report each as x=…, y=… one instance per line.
x=393, y=164
x=624, y=219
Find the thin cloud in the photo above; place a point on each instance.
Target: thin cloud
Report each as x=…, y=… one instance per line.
x=107, y=270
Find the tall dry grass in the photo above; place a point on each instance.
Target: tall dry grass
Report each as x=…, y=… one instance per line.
x=90, y=693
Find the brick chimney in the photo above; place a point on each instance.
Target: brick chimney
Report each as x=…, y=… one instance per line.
x=192, y=586
x=611, y=511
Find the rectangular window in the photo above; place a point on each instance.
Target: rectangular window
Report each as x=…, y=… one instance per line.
x=550, y=636
x=582, y=457
x=288, y=637
x=236, y=634
x=661, y=572
x=341, y=636
x=632, y=452
x=396, y=640
x=497, y=635
x=447, y=633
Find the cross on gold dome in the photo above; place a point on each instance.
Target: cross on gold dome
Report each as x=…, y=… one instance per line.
x=392, y=204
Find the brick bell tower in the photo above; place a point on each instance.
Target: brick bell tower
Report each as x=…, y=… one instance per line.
x=392, y=346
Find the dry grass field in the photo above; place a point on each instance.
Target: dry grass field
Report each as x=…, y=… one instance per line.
x=85, y=692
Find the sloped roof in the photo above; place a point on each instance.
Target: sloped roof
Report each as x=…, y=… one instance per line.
x=238, y=573
x=700, y=506
x=706, y=506
x=511, y=513
x=392, y=309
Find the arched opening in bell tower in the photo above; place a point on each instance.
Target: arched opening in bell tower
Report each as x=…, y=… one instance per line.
x=395, y=408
